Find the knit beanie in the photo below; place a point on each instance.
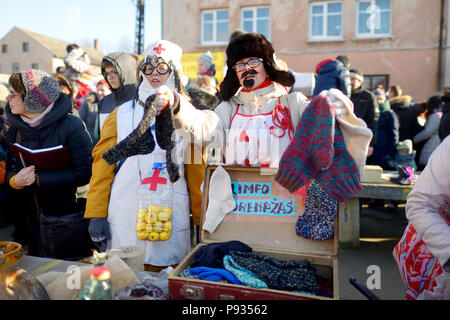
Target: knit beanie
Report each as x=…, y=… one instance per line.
x=220, y=200
x=41, y=90
x=207, y=58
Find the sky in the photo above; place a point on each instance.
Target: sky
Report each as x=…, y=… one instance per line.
x=112, y=22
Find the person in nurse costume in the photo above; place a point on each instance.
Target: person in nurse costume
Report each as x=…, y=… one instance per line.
x=112, y=201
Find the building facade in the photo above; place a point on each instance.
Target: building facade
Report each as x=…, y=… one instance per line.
x=393, y=42
x=22, y=49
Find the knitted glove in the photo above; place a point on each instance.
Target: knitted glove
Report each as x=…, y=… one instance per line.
x=100, y=232
x=139, y=141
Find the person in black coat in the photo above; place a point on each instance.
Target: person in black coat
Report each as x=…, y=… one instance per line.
x=366, y=106
x=444, y=125
x=39, y=117
x=331, y=73
x=407, y=116
x=387, y=140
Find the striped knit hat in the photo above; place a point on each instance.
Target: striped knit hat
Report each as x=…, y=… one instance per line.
x=41, y=90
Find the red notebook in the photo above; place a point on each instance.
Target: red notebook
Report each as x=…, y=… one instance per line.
x=47, y=159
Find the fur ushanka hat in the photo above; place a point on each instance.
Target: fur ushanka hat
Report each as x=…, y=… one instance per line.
x=251, y=45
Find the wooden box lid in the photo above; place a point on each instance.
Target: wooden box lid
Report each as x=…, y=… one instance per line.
x=272, y=228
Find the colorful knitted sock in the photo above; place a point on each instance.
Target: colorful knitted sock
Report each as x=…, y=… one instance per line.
x=139, y=141
x=341, y=180
x=318, y=220
x=311, y=149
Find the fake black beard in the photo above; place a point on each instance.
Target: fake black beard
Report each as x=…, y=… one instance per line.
x=248, y=83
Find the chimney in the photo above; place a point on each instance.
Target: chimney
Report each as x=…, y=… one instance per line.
x=96, y=44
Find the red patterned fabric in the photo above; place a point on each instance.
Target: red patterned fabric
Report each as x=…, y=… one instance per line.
x=418, y=267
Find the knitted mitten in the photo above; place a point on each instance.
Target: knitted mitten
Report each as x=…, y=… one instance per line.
x=164, y=129
x=139, y=141
x=341, y=180
x=311, y=149
x=317, y=223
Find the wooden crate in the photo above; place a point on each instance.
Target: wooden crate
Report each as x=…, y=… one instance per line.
x=269, y=233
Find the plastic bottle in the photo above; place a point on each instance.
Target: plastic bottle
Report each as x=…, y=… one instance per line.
x=98, y=286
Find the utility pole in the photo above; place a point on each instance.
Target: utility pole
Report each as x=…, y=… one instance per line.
x=139, y=34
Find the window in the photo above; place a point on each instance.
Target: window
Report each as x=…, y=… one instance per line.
x=15, y=67
x=35, y=66
x=373, y=19
x=256, y=19
x=25, y=47
x=214, y=27
x=4, y=48
x=372, y=81
x=325, y=21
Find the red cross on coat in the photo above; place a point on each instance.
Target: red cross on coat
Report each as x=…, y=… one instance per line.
x=154, y=180
x=159, y=49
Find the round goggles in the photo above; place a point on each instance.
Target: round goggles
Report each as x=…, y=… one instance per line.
x=162, y=67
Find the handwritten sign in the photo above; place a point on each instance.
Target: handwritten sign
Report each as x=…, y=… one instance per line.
x=255, y=198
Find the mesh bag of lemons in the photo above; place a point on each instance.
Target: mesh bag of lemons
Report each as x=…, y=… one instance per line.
x=154, y=216
x=154, y=223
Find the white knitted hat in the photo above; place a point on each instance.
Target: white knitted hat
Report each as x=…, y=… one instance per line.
x=220, y=200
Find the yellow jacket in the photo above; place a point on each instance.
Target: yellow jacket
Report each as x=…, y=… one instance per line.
x=102, y=173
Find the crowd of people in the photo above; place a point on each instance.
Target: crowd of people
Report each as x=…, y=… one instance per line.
x=97, y=201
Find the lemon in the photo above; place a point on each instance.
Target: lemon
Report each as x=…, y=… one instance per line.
x=153, y=236
x=140, y=226
x=164, y=235
x=149, y=228
x=142, y=235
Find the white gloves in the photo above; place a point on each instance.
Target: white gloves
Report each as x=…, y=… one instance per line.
x=164, y=98
x=341, y=103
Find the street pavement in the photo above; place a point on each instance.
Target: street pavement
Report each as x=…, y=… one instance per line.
x=372, y=264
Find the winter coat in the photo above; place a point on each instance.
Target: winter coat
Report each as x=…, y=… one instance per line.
x=89, y=114
x=429, y=134
x=408, y=124
x=366, y=108
x=444, y=126
x=56, y=190
x=429, y=199
x=385, y=148
x=331, y=73
x=126, y=67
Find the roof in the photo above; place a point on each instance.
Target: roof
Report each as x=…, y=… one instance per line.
x=58, y=47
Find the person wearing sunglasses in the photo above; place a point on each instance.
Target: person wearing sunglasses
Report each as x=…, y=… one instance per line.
x=113, y=197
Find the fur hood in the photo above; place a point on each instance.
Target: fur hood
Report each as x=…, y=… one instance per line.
x=404, y=101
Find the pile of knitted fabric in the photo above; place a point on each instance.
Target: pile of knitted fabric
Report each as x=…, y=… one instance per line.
x=235, y=262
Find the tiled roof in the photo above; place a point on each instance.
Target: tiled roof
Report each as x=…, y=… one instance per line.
x=58, y=47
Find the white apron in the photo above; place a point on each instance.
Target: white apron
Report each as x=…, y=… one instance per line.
x=256, y=140
x=123, y=203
